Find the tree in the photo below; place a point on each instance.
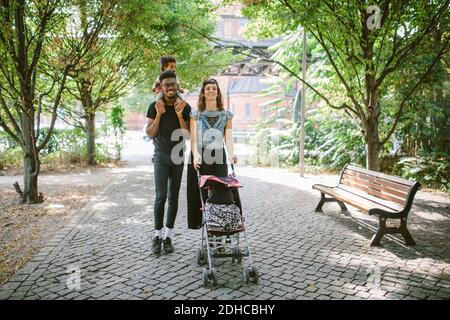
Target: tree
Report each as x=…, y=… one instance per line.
x=104, y=73
x=366, y=47
x=125, y=52
x=35, y=60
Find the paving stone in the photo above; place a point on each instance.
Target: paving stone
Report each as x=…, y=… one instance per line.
x=325, y=255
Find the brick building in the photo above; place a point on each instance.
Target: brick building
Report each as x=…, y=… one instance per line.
x=242, y=82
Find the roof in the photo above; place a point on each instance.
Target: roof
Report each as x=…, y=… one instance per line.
x=243, y=43
x=248, y=84
x=245, y=84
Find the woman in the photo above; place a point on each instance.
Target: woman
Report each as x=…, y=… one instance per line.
x=210, y=129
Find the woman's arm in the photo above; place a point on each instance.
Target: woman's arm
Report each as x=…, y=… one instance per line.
x=229, y=141
x=194, y=143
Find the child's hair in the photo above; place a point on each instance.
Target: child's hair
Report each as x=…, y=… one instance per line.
x=165, y=60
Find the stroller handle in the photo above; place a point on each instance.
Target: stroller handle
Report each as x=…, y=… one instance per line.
x=232, y=165
x=232, y=170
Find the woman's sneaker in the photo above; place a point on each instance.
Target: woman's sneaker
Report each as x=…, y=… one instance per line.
x=167, y=244
x=156, y=245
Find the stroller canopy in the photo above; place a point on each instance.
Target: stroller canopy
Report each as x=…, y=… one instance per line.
x=208, y=181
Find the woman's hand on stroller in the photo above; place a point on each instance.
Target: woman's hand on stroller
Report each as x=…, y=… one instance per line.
x=233, y=159
x=197, y=161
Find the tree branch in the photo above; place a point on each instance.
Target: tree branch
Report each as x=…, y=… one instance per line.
x=407, y=49
x=55, y=106
x=408, y=95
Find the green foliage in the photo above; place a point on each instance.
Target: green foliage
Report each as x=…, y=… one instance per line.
x=118, y=126
x=431, y=169
x=6, y=141
x=330, y=140
x=66, y=146
x=11, y=157
x=347, y=57
x=339, y=67
x=137, y=100
x=64, y=140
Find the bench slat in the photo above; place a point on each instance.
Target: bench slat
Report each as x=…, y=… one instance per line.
x=389, y=184
x=377, y=184
x=382, y=176
x=374, y=198
x=352, y=199
x=372, y=191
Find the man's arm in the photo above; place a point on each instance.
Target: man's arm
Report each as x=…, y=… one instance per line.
x=179, y=107
x=153, y=126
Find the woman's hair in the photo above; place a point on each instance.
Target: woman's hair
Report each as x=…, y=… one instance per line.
x=201, y=97
x=165, y=60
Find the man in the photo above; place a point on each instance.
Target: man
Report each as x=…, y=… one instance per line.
x=168, y=125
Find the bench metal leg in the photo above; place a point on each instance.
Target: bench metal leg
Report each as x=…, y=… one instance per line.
x=342, y=205
x=323, y=200
x=380, y=233
x=405, y=233
x=391, y=230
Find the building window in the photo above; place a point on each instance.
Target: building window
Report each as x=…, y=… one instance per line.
x=242, y=23
x=219, y=29
x=228, y=31
x=248, y=111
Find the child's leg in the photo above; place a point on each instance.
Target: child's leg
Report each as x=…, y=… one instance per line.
x=180, y=96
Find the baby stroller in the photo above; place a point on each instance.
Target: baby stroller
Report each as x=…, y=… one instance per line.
x=223, y=222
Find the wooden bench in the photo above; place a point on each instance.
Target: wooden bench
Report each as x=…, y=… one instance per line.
x=375, y=193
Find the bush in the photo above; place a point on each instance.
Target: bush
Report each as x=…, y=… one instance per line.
x=329, y=141
x=11, y=157
x=431, y=170
x=65, y=146
x=6, y=142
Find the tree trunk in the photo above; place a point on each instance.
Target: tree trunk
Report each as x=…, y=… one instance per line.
x=372, y=137
x=30, y=180
x=31, y=163
x=90, y=133
x=372, y=144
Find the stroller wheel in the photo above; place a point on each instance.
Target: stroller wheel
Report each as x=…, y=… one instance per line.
x=245, y=275
x=253, y=274
x=239, y=252
x=201, y=257
x=209, y=276
x=213, y=276
x=236, y=255
x=205, y=279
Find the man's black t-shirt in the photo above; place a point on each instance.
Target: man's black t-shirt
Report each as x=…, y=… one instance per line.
x=168, y=124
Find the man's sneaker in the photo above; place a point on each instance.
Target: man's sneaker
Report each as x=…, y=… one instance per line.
x=156, y=245
x=167, y=244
